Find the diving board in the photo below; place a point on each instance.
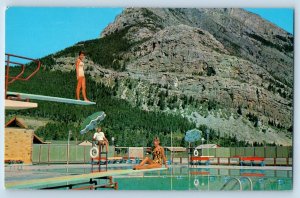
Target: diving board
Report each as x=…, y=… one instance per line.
x=19, y=105
x=50, y=98
x=46, y=182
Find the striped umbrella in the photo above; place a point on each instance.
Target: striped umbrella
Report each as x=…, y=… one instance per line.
x=92, y=121
x=192, y=135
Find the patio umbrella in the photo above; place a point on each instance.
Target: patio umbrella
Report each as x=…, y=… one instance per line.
x=192, y=135
x=91, y=122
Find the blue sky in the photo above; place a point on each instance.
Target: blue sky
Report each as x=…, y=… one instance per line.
x=282, y=17
x=36, y=32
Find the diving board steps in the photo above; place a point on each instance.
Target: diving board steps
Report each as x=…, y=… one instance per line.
x=25, y=96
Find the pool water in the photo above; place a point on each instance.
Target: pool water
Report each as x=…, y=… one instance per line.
x=184, y=178
x=178, y=178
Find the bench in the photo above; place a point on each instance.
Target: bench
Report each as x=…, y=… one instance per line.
x=200, y=160
x=13, y=161
x=252, y=161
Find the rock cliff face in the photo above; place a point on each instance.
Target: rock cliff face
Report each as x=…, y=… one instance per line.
x=243, y=34
x=226, y=68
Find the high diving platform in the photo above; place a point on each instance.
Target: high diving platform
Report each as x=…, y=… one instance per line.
x=18, y=101
x=25, y=96
x=19, y=105
x=72, y=180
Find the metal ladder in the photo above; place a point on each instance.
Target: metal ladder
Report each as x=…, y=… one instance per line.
x=238, y=182
x=102, y=155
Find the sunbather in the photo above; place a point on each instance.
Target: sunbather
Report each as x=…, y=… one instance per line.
x=158, y=157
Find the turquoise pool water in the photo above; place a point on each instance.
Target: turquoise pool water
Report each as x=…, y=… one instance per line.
x=199, y=179
x=178, y=178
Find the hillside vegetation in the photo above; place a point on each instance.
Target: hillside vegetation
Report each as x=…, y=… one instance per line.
x=130, y=126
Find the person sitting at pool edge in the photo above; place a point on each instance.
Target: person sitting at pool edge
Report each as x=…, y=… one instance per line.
x=101, y=139
x=158, y=156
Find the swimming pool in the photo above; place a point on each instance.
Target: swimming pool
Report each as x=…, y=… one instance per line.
x=210, y=178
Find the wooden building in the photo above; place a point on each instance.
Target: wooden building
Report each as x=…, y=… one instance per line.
x=18, y=141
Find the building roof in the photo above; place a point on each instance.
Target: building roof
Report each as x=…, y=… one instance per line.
x=38, y=140
x=16, y=122
x=202, y=146
x=85, y=143
x=19, y=123
x=176, y=149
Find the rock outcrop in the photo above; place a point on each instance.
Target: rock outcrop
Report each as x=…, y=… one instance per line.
x=226, y=68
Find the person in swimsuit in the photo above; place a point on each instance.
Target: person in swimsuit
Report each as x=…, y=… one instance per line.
x=101, y=139
x=80, y=77
x=158, y=158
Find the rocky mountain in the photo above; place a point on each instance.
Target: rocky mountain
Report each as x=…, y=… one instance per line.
x=226, y=68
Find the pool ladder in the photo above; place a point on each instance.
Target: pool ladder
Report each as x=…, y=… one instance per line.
x=238, y=182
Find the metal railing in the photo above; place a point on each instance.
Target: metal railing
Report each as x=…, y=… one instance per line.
x=238, y=182
x=9, y=63
x=250, y=181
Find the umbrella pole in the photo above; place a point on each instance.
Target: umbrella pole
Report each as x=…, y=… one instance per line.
x=189, y=154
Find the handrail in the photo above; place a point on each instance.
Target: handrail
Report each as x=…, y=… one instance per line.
x=238, y=182
x=20, y=74
x=11, y=79
x=231, y=179
x=22, y=57
x=16, y=63
x=251, y=183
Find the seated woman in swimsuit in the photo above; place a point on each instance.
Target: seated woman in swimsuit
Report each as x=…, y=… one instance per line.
x=158, y=156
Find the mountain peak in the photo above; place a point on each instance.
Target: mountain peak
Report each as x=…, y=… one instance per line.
x=242, y=33
x=226, y=68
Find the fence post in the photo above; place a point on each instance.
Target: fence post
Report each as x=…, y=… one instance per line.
x=48, y=154
x=40, y=150
x=67, y=160
x=84, y=154
x=76, y=152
